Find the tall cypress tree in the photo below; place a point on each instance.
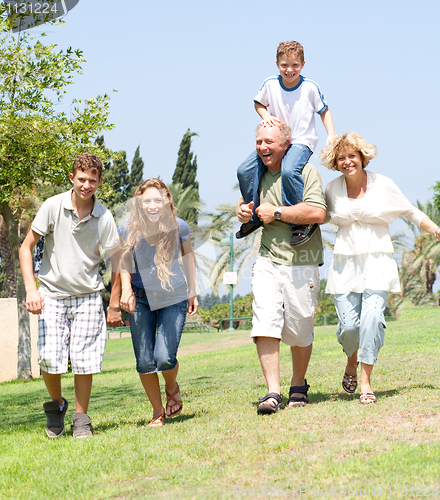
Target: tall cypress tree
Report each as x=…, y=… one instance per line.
x=118, y=177
x=137, y=171
x=186, y=171
x=100, y=142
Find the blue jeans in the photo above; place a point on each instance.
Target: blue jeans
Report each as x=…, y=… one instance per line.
x=156, y=334
x=251, y=170
x=361, y=323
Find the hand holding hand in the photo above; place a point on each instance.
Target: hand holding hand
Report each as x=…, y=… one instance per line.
x=266, y=212
x=245, y=212
x=114, y=317
x=193, y=305
x=128, y=300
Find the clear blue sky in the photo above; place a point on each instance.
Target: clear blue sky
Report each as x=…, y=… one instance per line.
x=198, y=64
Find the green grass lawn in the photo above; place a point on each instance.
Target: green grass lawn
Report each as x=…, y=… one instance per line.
x=218, y=447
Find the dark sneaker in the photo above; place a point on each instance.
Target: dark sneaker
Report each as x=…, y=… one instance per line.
x=247, y=229
x=55, y=418
x=81, y=426
x=302, y=234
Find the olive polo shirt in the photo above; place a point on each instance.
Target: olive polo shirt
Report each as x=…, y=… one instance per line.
x=71, y=254
x=275, y=237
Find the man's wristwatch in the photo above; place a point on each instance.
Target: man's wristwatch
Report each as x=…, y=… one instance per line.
x=277, y=213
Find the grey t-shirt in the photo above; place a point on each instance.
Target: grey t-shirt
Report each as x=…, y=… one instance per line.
x=71, y=251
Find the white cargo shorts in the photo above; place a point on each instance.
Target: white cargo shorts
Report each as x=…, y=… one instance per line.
x=284, y=302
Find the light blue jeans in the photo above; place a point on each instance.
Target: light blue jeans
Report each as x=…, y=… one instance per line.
x=292, y=185
x=361, y=323
x=156, y=334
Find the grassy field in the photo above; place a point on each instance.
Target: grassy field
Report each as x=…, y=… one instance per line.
x=219, y=447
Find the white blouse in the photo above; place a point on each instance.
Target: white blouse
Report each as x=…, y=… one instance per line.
x=363, y=253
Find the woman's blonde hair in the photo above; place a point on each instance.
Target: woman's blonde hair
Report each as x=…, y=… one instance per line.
x=354, y=142
x=139, y=228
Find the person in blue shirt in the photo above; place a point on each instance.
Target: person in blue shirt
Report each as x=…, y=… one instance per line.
x=153, y=289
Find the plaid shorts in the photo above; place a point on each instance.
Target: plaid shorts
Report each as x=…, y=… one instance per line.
x=76, y=325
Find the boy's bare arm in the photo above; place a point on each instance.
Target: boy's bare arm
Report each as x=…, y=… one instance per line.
x=327, y=121
x=267, y=118
x=34, y=301
x=114, y=318
x=128, y=299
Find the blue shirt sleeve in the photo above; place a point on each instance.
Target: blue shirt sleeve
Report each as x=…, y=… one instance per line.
x=123, y=229
x=185, y=231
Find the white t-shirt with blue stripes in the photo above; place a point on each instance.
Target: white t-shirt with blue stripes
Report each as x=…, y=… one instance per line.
x=296, y=107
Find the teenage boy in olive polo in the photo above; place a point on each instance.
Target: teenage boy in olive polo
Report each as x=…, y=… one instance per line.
x=68, y=301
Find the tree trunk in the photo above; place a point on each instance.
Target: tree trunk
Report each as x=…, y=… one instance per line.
x=429, y=275
x=7, y=260
x=24, y=332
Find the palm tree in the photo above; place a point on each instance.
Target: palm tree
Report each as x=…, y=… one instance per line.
x=328, y=235
x=222, y=223
x=420, y=263
x=186, y=202
x=190, y=209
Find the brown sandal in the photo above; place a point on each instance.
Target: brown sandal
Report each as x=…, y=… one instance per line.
x=349, y=381
x=169, y=406
x=157, y=422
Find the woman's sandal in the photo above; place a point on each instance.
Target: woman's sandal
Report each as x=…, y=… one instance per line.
x=295, y=400
x=349, y=381
x=267, y=408
x=169, y=406
x=157, y=422
x=367, y=398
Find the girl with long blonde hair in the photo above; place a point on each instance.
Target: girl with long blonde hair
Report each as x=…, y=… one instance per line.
x=155, y=291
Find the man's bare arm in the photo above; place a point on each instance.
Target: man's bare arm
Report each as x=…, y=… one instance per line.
x=244, y=210
x=300, y=214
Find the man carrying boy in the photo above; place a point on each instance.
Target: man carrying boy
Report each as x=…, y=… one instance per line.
x=285, y=279
x=294, y=100
x=71, y=316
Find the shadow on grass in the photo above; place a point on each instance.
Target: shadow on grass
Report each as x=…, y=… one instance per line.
x=27, y=409
x=142, y=423
x=320, y=397
x=24, y=408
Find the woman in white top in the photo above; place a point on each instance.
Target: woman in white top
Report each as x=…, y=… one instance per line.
x=363, y=270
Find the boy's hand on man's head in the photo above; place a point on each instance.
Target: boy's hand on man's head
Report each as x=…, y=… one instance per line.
x=270, y=121
x=34, y=302
x=329, y=139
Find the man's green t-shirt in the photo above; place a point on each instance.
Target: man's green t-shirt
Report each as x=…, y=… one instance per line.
x=275, y=238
